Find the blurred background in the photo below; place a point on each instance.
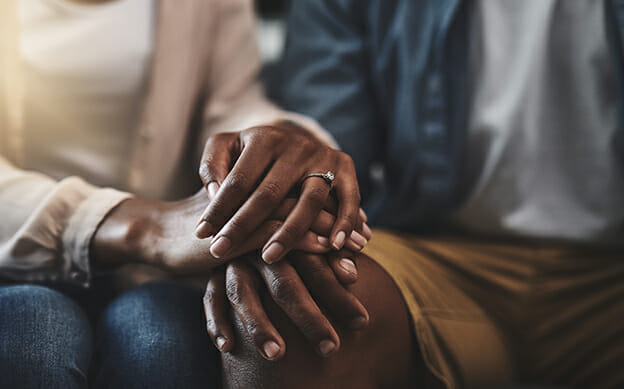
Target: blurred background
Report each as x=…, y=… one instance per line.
x=271, y=31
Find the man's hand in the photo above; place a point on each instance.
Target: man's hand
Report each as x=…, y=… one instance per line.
x=160, y=233
x=251, y=173
x=296, y=285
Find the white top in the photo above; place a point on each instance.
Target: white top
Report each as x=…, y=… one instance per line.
x=543, y=115
x=85, y=67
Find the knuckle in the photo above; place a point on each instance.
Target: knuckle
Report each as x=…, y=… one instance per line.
x=211, y=325
x=269, y=194
x=235, y=292
x=313, y=327
x=283, y=289
x=221, y=136
x=238, y=183
x=210, y=296
x=350, y=219
x=204, y=171
x=266, y=134
x=307, y=145
x=255, y=330
x=345, y=158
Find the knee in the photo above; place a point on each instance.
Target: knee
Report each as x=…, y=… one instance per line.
x=152, y=319
x=152, y=334
x=44, y=337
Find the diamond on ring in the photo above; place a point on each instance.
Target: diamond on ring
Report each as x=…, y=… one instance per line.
x=328, y=177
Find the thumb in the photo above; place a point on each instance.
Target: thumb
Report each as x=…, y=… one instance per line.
x=220, y=152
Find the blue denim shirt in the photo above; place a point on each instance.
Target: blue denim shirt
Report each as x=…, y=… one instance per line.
x=388, y=78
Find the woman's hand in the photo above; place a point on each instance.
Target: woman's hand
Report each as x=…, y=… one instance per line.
x=161, y=234
x=300, y=286
x=250, y=174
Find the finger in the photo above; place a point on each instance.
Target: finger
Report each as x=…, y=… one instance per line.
x=366, y=231
x=319, y=277
x=343, y=264
x=356, y=241
x=313, y=243
x=215, y=308
x=258, y=207
x=331, y=205
x=348, y=194
x=292, y=296
x=235, y=189
x=310, y=242
x=323, y=225
x=241, y=286
x=255, y=242
x=363, y=216
x=309, y=205
x=220, y=152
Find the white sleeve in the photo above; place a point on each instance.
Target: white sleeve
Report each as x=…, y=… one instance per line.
x=47, y=225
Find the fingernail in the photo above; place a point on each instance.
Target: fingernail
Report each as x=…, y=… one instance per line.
x=213, y=188
x=358, y=238
x=363, y=215
x=271, y=349
x=366, y=231
x=203, y=230
x=339, y=240
x=348, y=265
x=326, y=347
x=220, y=342
x=273, y=252
x=323, y=241
x=358, y=323
x=220, y=246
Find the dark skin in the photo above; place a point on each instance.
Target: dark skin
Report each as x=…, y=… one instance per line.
x=381, y=355
x=247, y=210
x=161, y=233
x=304, y=287
x=249, y=176
x=297, y=322
x=251, y=173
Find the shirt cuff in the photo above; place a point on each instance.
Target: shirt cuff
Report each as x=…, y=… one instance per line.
x=82, y=226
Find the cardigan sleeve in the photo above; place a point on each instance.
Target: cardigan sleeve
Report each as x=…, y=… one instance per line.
x=48, y=225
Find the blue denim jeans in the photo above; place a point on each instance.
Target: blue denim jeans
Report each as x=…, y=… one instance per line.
x=152, y=336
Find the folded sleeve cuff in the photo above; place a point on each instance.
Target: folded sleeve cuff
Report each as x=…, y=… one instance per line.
x=81, y=227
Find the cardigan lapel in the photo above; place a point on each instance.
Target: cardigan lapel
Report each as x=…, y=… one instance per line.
x=175, y=88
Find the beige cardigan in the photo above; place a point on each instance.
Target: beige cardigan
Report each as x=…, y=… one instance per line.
x=203, y=81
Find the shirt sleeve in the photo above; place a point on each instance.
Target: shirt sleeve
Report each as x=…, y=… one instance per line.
x=326, y=74
x=48, y=225
x=236, y=99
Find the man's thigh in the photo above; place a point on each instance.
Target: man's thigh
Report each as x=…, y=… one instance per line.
x=381, y=355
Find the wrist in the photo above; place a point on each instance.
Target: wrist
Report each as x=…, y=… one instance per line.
x=123, y=235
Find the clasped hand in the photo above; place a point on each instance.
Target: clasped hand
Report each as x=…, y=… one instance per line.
x=258, y=175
